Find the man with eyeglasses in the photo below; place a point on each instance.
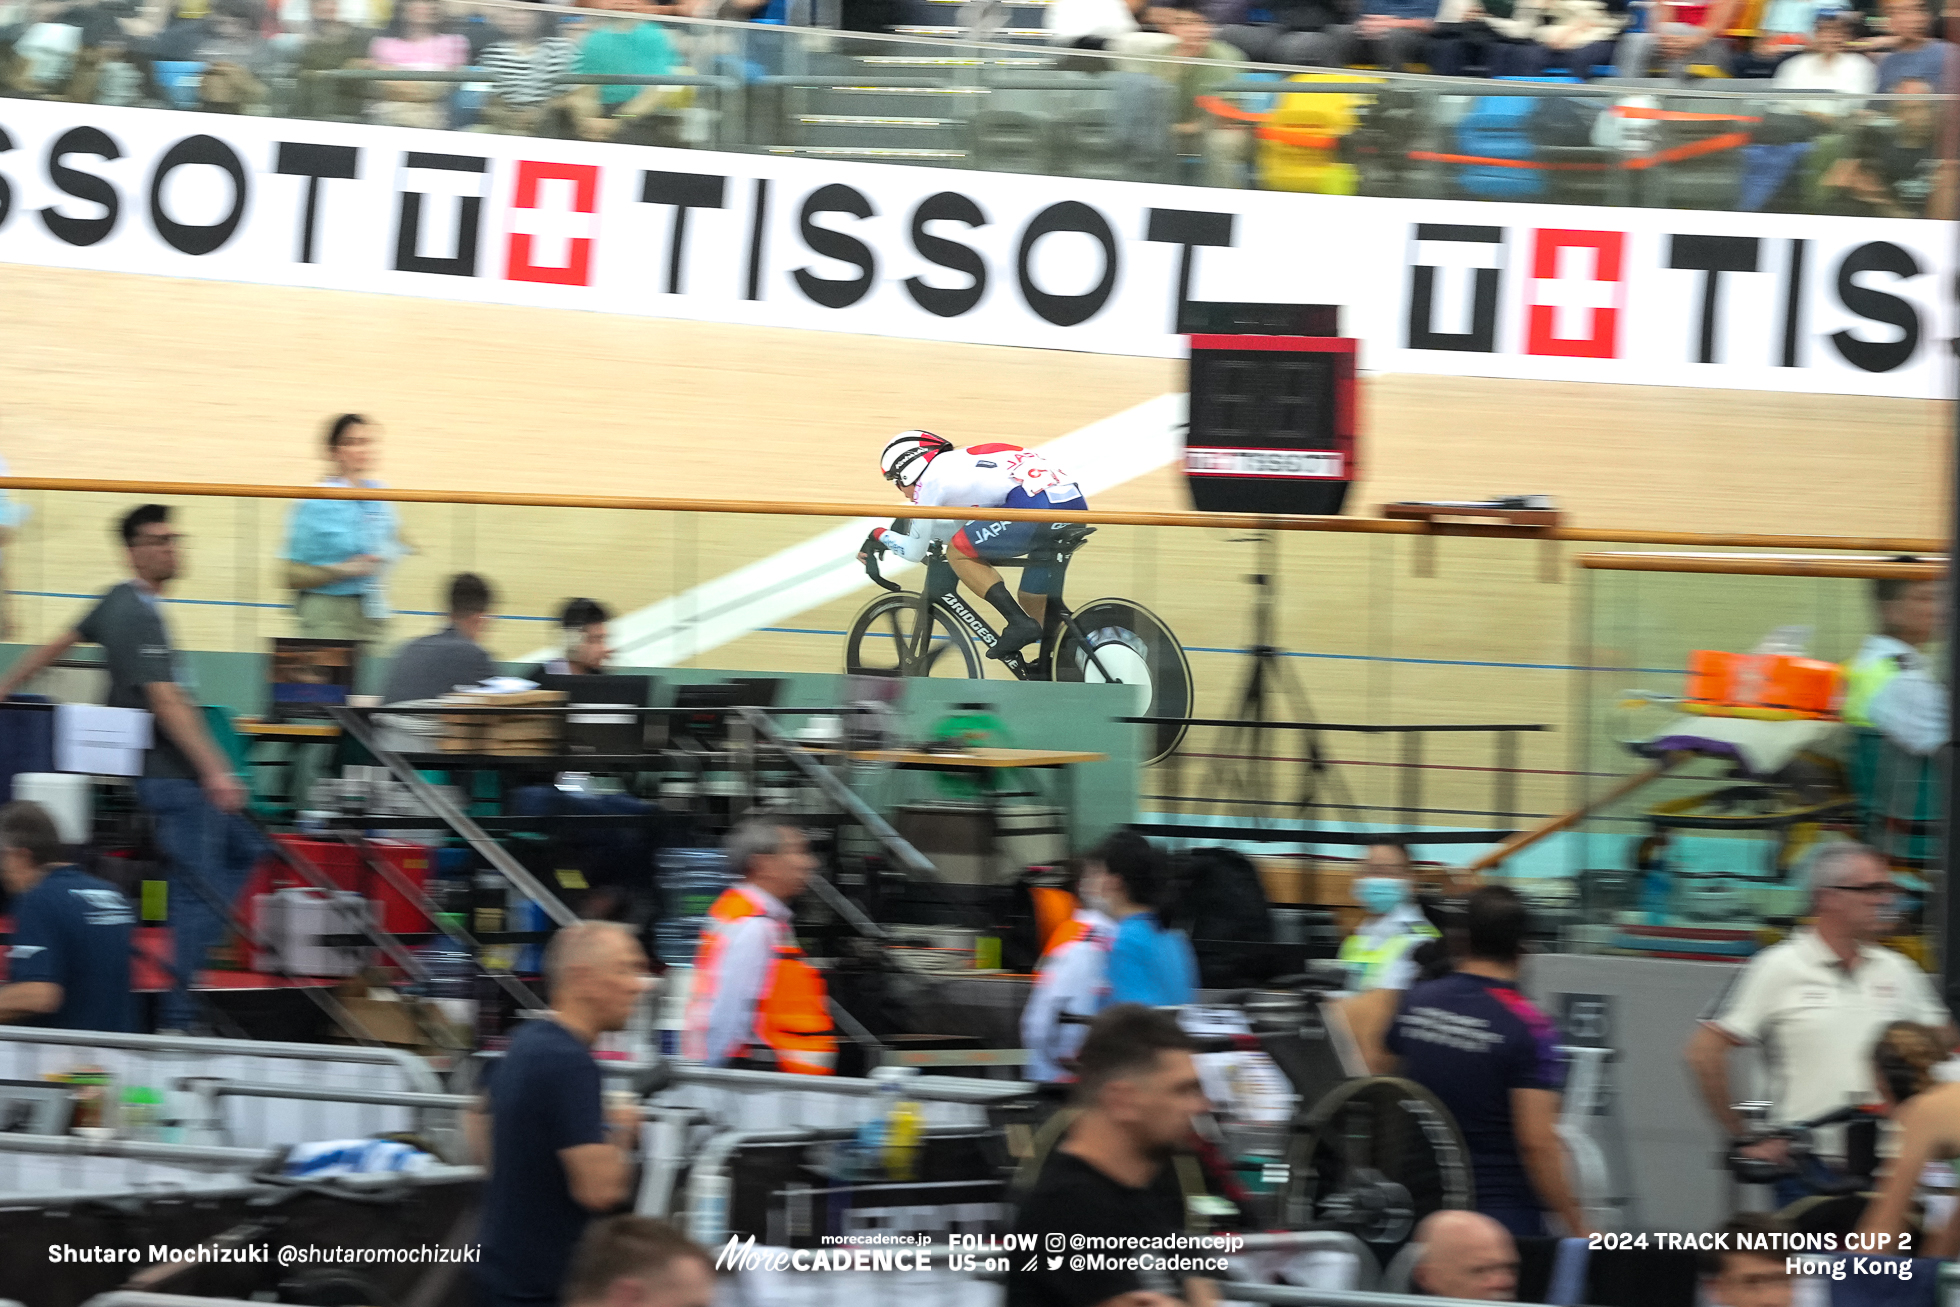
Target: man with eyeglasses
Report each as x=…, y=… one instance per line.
x=1815, y=1005
x=187, y=784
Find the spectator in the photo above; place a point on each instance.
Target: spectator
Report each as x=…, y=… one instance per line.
x=528, y=69
x=1891, y=685
x=331, y=44
x=1828, y=66
x=415, y=42
x=1792, y=22
x=1112, y=1174
x=1472, y=1039
x=1733, y=1277
x=1306, y=32
x=1377, y=954
x=338, y=551
x=636, y=1261
x=1892, y=168
x=187, y=785
x=582, y=624
x=1815, y=1004
x=1465, y=1255
x=1389, y=34
x=106, y=70
x=1186, y=34
x=1467, y=34
x=69, y=965
x=1787, y=132
x=1091, y=24
x=1681, y=45
x=1925, y=1113
x=1125, y=878
x=434, y=665
x=623, y=48
x=46, y=47
x=1570, y=36
x=754, y=997
x=1073, y=980
x=236, y=61
x=557, y=1155
x=1915, y=56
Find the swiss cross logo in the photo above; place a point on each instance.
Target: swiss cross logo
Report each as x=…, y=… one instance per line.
x=1574, y=294
x=551, y=218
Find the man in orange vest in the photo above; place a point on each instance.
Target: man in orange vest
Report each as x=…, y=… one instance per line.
x=1072, y=979
x=754, y=996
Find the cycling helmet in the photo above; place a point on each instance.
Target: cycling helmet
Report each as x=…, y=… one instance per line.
x=906, y=455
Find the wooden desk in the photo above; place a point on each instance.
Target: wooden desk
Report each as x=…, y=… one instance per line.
x=297, y=732
x=975, y=759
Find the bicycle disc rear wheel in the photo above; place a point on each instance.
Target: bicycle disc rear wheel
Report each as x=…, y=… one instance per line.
x=880, y=643
x=1132, y=646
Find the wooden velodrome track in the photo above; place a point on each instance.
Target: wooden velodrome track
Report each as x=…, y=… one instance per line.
x=134, y=378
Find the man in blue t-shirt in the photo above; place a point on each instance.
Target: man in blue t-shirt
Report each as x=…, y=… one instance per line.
x=1125, y=878
x=557, y=1156
x=69, y=965
x=1475, y=1042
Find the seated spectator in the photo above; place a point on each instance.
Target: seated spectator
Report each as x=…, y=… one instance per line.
x=1678, y=45
x=236, y=61
x=1891, y=167
x=107, y=70
x=1789, y=128
x=45, y=48
x=621, y=47
x=1465, y=1255
x=1186, y=34
x=1306, y=32
x=1125, y=878
x=416, y=42
x=636, y=1261
x=1467, y=35
x=331, y=43
x=1568, y=36
x=434, y=665
x=582, y=626
x=1091, y=24
x=528, y=70
x=1390, y=34
x=69, y=965
x=1735, y=1278
x=1914, y=55
x=1790, y=23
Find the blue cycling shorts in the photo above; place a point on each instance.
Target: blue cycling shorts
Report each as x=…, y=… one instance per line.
x=996, y=541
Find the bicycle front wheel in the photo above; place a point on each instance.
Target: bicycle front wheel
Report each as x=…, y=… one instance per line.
x=882, y=638
x=1116, y=640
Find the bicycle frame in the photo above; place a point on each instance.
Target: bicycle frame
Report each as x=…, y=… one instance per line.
x=942, y=586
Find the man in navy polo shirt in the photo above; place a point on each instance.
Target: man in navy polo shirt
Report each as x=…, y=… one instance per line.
x=69, y=965
x=1475, y=1042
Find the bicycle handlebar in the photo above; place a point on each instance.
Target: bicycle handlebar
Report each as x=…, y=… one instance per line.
x=871, y=570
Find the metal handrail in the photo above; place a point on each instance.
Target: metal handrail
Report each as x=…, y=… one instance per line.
x=1207, y=521
x=414, y=1068
x=188, y=1155
x=938, y=1089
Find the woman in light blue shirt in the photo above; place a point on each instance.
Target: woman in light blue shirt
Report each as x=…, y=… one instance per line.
x=338, y=551
x=1125, y=878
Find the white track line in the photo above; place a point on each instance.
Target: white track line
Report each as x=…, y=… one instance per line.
x=804, y=576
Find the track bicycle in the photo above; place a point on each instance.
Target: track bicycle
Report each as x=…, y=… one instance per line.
x=935, y=632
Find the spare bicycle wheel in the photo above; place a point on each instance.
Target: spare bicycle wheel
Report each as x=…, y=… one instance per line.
x=1128, y=644
x=1372, y=1158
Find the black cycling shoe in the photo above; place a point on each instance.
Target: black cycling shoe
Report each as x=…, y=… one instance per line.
x=1017, y=636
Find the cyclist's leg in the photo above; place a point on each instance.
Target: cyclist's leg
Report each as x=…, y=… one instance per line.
x=968, y=552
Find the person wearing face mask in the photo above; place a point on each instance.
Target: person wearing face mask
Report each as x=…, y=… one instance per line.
x=1377, y=954
x=1148, y=963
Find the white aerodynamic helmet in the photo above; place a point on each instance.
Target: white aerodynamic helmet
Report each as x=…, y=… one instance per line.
x=906, y=455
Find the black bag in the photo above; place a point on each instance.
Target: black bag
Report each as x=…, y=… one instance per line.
x=1218, y=900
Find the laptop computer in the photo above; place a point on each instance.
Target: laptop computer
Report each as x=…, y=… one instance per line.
x=602, y=732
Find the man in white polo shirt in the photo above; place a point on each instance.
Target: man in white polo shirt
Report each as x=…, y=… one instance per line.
x=1815, y=1004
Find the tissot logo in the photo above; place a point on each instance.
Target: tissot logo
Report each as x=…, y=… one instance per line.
x=1648, y=296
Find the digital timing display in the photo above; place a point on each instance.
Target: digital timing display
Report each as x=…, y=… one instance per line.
x=1264, y=398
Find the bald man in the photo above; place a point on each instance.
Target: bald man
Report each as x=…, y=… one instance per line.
x=1465, y=1255
x=557, y=1157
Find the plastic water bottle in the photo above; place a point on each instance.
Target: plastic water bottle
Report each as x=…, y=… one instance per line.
x=452, y=971
x=904, y=1124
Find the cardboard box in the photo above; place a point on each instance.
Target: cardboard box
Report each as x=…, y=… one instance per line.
x=404, y=1023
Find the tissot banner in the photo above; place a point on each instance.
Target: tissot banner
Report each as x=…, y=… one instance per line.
x=1643, y=296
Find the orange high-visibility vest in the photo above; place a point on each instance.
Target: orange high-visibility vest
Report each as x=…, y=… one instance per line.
x=1054, y=912
x=792, y=1015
